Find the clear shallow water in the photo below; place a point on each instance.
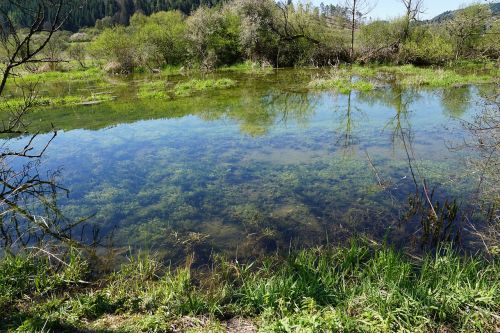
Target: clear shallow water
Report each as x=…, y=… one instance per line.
x=260, y=167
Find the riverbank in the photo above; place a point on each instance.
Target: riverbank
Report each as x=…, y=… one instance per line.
x=358, y=288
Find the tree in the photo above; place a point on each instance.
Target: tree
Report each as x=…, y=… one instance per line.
x=77, y=52
x=412, y=9
x=213, y=37
x=286, y=35
x=357, y=9
x=161, y=38
x=55, y=47
x=116, y=46
x=379, y=40
x=467, y=27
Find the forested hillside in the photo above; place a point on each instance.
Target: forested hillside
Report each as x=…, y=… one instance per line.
x=105, y=13
x=86, y=13
x=448, y=15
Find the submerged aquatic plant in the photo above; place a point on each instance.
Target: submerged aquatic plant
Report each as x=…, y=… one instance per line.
x=440, y=222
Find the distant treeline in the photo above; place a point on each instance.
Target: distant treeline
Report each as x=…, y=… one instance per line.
x=265, y=33
x=86, y=13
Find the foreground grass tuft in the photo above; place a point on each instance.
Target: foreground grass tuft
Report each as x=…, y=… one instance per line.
x=354, y=289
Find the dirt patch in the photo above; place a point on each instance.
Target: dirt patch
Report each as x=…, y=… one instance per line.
x=240, y=325
x=202, y=324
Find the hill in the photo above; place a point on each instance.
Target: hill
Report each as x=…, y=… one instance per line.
x=86, y=13
x=495, y=9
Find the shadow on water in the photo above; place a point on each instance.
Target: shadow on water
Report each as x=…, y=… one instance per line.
x=264, y=167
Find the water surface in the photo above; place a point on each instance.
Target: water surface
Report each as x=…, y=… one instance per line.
x=260, y=167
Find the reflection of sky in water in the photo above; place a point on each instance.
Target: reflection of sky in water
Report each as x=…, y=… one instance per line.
x=264, y=170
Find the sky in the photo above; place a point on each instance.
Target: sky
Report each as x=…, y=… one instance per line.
x=392, y=8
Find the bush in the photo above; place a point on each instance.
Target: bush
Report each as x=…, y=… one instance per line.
x=115, y=45
x=426, y=47
x=213, y=36
x=160, y=38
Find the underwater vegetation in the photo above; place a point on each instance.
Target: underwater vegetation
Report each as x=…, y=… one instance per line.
x=256, y=167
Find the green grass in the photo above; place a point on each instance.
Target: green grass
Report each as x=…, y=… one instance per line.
x=358, y=288
x=158, y=88
x=171, y=70
x=91, y=74
x=409, y=75
x=152, y=89
x=195, y=85
x=343, y=85
x=406, y=75
x=68, y=100
x=247, y=67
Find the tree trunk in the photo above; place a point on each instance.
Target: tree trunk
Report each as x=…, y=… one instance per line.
x=353, y=26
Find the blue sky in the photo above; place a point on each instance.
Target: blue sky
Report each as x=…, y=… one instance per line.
x=392, y=8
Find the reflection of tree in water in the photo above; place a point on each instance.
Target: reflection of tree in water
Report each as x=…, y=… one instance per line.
x=349, y=116
x=483, y=164
x=456, y=100
x=430, y=212
x=29, y=215
x=346, y=125
x=256, y=114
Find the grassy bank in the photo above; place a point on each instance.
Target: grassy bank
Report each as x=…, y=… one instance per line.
x=359, y=288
